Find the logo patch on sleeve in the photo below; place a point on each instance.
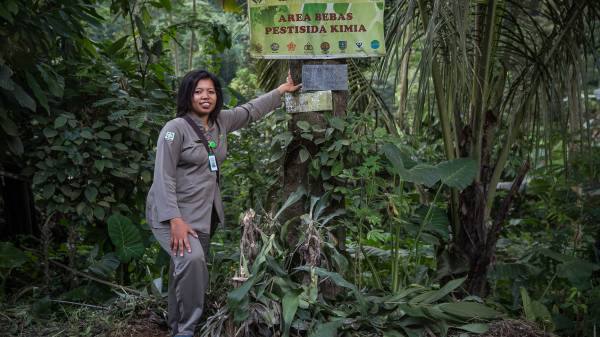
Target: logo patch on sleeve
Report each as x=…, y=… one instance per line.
x=170, y=136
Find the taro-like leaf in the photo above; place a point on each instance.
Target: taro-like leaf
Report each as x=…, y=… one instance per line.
x=577, y=271
x=424, y=174
x=125, y=236
x=11, y=256
x=458, y=173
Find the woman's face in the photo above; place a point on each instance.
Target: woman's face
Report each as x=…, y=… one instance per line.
x=204, y=98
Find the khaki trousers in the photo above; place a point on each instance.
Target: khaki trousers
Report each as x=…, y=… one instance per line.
x=188, y=281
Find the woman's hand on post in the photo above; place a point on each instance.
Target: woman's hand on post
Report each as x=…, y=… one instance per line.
x=288, y=86
x=179, y=236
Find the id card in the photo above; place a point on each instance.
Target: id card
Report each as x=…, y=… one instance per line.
x=212, y=162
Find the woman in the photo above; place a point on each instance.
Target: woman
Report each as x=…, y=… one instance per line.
x=184, y=203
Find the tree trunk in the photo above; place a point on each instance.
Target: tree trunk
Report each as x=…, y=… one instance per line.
x=18, y=207
x=295, y=172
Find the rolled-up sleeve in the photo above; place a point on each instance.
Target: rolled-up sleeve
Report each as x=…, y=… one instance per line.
x=168, y=150
x=254, y=110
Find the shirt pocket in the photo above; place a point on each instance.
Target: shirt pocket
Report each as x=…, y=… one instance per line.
x=194, y=154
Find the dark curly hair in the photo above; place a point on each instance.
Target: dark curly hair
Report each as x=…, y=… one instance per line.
x=187, y=88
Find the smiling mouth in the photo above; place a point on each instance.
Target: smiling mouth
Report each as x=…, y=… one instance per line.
x=205, y=105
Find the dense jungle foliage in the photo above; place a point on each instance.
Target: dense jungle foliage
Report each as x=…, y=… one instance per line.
x=457, y=194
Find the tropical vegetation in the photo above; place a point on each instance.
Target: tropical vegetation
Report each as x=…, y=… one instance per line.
x=454, y=193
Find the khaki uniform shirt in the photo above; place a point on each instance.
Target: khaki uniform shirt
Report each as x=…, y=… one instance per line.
x=183, y=184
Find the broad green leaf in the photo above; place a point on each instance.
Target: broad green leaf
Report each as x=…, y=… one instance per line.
x=106, y=266
x=433, y=296
x=103, y=135
x=474, y=327
x=49, y=133
x=99, y=212
x=304, y=125
x=424, y=174
x=11, y=256
x=304, y=155
x=292, y=199
x=9, y=126
x=534, y=310
x=469, y=310
x=15, y=145
x=438, y=221
x=237, y=295
x=337, y=123
x=5, y=81
x=578, y=272
x=37, y=91
x=289, y=306
x=335, y=277
x=55, y=82
x=327, y=329
x=125, y=236
x=392, y=153
x=116, y=46
x=60, y=121
x=458, y=173
x=23, y=98
x=90, y=193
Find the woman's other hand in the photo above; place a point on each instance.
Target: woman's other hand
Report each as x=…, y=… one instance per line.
x=288, y=86
x=179, y=236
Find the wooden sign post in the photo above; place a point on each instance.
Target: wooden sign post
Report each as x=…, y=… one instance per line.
x=318, y=36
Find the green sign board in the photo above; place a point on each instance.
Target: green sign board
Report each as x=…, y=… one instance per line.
x=316, y=29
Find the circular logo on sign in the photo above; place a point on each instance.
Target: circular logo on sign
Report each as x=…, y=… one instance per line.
x=325, y=46
x=274, y=46
x=375, y=44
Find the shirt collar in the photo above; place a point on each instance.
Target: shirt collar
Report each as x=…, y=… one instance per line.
x=199, y=121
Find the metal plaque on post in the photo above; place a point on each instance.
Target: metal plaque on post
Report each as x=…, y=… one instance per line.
x=324, y=77
x=308, y=101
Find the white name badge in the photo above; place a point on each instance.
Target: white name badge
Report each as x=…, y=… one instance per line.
x=212, y=161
